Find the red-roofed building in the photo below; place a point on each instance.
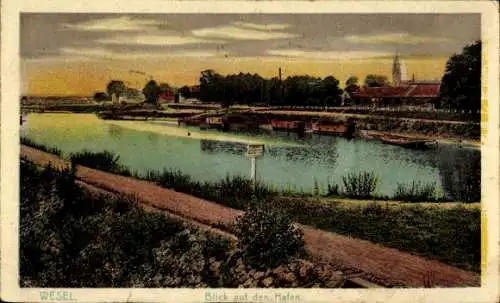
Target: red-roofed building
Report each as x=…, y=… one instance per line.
x=413, y=93
x=194, y=89
x=167, y=97
x=403, y=92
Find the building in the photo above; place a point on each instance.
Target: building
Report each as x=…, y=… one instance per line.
x=421, y=93
x=167, y=97
x=399, y=75
x=414, y=94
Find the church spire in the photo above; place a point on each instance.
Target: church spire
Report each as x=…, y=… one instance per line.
x=396, y=70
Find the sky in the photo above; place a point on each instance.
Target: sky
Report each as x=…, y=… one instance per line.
x=78, y=54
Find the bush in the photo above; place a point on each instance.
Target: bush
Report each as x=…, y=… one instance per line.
x=267, y=237
x=333, y=190
x=71, y=238
x=360, y=186
x=416, y=192
x=235, y=191
x=31, y=143
x=106, y=161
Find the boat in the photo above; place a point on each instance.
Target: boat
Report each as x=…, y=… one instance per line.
x=337, y=128
x=408, y=142
x=213, y=122
x=331, y=129
x=295, y=126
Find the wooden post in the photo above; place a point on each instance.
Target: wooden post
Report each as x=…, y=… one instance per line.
x=253, y=174
x=253, y=151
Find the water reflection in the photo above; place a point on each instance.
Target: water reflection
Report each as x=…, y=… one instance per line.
x=323, y=155
x=115, y=131
x=460, y=173
x=214, y=146
x=153, y=138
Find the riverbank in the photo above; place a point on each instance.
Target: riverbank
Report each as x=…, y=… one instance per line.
x=392, y=266
x=451, y=130
x=475, y=144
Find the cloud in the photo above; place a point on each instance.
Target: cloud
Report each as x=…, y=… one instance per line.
x=395, y=38
x=266, y=27
x=156, y=40
x=238, y=33
x=124, y=23
x=102, y=53
x=327, y=55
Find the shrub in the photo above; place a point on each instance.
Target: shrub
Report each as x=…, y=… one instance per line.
x=31, y=143
x=70, y=238
x=360, y=185
x=267, y=237
x=235, y=191
x=106, y=161
x=333, y=190
x=316, y=190
x=171, y=179
x=415, y=192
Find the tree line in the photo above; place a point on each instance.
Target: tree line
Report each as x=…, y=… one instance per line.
x=460, y=87
x=151, y=91
x=251, y=89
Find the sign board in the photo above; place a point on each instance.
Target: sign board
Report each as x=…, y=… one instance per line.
x=255, y=150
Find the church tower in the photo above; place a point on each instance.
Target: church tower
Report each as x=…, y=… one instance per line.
x=399, y=76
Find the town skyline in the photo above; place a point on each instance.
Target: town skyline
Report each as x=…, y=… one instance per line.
x=78, y=54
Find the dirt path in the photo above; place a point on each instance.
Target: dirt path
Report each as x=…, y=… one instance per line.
x=380, y=264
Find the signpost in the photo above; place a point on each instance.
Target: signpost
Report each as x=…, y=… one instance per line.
x=254, y=151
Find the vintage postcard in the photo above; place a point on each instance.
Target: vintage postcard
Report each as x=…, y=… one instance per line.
x=250, y=151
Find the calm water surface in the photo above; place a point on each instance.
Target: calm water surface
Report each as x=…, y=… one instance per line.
x=288, y=161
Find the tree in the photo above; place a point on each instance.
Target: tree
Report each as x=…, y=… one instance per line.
x=372, y=80
x=116, y=87
x=101, y=96
x=330, y=91
x=267, y=237
x=351, y=85
x=164, y=87
x=461, y=83
x=132, y=92
x=151, y=91
x=185, y=91
x=212, y=86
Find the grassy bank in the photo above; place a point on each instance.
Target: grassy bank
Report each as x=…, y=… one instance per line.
x=387, y=123
x=48, y=149
x=393, y=113
x=72, y=238
x=451, y=235
x=471, y=131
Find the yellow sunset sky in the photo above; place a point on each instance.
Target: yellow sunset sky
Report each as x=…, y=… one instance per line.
x=87, y=77
x=78, y=54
